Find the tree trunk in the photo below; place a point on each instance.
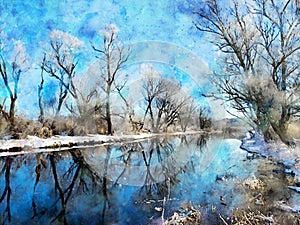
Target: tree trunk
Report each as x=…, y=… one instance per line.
x=149, y=107
x=58, y=107
x=12, y=112
x=61, y=99
x=269, y=134
x=40, y=91
x=158, y=124
x=108, y=119
x=108, y=114
x=40, y=95
x=281, y=131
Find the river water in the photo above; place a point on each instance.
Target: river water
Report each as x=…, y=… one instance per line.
x=124, y=184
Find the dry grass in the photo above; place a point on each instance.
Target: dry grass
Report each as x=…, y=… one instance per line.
x=294, y=129
x=49, y=127
x=187, y=215
x=251, y=217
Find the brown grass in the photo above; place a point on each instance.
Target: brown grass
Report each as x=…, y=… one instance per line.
x=294, y=129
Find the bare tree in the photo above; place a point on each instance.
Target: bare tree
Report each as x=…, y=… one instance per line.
x=187, y=113
x=136, y=125
x=164, y=102
x=10, y=74
x=169, y=106
x=61, y=62
x=112, y=57
x=152, y=88
x=203, y=118
x=259, y=44
x=40, y=91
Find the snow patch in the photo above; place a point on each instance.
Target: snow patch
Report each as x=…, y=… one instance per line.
x=278, y=152
x=34, y=144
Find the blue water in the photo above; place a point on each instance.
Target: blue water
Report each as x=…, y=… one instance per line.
x=121, y=184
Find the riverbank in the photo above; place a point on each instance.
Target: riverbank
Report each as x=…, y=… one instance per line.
x=277, y=152
x=35, y=144
x=271, y=194
x=267, y=199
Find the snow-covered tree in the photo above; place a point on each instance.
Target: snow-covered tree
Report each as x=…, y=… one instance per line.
x=60, y=62
x=164, y=100
x=259, y=46
x=112, y=57
x=11, y=69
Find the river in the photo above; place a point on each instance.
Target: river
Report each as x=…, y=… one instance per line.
x=132, y=183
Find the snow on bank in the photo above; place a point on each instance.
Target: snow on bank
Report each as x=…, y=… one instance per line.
x=278, y=152
x=33, y=144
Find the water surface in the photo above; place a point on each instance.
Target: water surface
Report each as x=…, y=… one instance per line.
x=123, y=184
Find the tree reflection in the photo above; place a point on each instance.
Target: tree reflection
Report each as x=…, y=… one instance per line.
x=41, y=163
x=202, y=140
x=104, y=190
x=7, y=189
x=148, y=170
x=60, y=191
x=160, y=175
x=125, y=158
x=78, y=173
x=184, y=139
x=154, y=165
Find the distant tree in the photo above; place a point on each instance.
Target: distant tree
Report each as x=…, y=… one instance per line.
x=60, y=62
x=259, y=44
x=204, y=119
x=11, y=71
x=164, y=102
x=112, y=57
x=136, y=125
x=169, y=106
x=152, y=88
x=187, y=114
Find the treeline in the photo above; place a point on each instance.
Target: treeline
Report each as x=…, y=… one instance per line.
x=75, y=109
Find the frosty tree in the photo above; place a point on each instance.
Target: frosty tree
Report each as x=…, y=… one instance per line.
x=112, y=57
x=164, y=100
x=259, y=45
x=60, y=62
x=11, y=69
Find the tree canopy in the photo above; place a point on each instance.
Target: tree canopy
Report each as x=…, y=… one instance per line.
x=258, y=41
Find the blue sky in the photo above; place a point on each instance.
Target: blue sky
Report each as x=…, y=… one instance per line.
x=169, y=22
x=31, y=21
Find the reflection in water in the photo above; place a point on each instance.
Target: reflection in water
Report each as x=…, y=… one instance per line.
x=104, y=184
x=128, y=184
x=202, y=140
x=79, y=173
x=7, y=189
